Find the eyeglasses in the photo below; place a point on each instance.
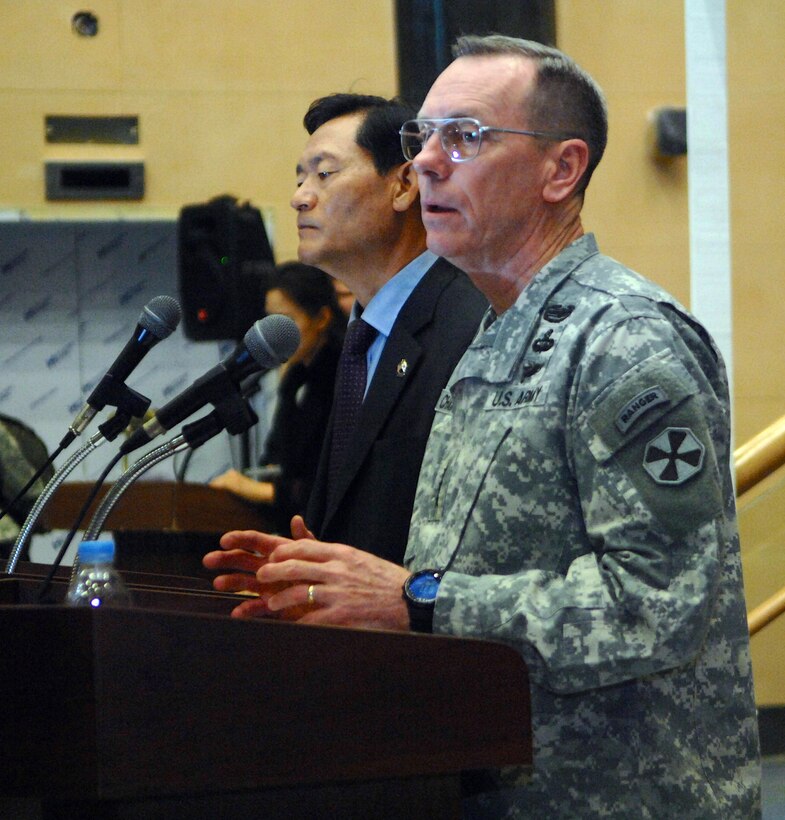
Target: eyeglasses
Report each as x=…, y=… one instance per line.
x=461, y=137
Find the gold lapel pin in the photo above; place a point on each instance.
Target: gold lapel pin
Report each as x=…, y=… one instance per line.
x=403, y=366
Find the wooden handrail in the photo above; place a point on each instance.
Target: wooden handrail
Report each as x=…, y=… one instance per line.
x=760, y=456
x=766, y=612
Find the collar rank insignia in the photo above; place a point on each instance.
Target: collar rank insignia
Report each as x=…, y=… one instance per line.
x=557, y=313
x=673, y=456
x=400, y=370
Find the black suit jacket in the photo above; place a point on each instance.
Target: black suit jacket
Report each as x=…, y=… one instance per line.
x=373, y=502
x=305, y=397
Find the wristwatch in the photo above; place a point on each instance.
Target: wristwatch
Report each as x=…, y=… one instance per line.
x=419, y=592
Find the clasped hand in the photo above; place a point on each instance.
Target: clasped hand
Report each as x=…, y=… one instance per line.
x=309, y=581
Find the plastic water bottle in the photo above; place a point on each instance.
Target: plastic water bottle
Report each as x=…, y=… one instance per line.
x=97, y=582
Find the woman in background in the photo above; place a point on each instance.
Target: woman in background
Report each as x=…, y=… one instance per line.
x=305, y=394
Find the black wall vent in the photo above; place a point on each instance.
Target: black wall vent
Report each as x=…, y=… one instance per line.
x=94, y=180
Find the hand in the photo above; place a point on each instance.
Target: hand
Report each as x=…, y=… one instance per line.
x=240, y=556
x=242, y=553
x=350, y=587
x=261, y=492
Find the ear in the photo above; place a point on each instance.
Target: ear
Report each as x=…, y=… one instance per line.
x=406, y=189
x=570, y=160
x=323, y=318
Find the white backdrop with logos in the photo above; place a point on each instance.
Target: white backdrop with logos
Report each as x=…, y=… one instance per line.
x=70, y=297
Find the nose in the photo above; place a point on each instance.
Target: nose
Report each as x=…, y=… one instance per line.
x=432, y=159
x=303, y=199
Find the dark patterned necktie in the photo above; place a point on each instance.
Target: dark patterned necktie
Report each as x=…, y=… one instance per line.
x=349, y=390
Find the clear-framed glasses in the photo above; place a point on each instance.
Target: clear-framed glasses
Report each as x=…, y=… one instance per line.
x=460, y=137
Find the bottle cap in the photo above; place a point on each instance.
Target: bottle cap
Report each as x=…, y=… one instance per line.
x=96, y=551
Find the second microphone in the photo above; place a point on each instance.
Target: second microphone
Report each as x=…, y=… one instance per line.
x=268, y=344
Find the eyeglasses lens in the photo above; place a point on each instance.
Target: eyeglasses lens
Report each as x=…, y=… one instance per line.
x=413, y=137
x=459, y=138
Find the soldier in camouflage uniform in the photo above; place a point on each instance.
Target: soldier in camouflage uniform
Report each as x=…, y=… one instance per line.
x=575, y=495
x=587, y=518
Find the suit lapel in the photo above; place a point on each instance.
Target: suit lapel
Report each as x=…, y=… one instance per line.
x=402, y=352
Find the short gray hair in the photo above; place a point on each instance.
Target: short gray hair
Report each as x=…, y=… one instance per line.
x=565, y=97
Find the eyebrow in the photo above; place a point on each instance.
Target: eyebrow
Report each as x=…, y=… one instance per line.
x=314, y=161
x=450, y=117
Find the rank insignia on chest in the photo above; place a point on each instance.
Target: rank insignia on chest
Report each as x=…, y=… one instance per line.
x=673, y=456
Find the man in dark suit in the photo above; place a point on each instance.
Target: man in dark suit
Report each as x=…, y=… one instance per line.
x=358, y=219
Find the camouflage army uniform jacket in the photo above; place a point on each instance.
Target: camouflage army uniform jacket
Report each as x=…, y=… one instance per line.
x=576, y=491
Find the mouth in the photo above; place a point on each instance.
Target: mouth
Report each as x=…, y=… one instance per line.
x=436, y=208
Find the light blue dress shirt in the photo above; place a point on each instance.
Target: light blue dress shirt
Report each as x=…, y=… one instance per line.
x=383, y=309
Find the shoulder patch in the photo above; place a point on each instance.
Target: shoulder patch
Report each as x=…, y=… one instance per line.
x=673, y=456
x=638, y=405
x=635, y=403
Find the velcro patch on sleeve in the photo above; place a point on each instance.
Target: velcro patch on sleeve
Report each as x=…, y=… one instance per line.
x=635, y=401
x=645, y=400
x=661, y=451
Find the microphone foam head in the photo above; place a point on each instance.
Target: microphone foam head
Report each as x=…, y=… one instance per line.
x=160, y=316
x=272, y=340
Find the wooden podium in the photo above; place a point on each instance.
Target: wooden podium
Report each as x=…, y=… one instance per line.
x=171, y=709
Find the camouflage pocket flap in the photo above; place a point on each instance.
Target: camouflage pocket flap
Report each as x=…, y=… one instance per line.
x=634, y=402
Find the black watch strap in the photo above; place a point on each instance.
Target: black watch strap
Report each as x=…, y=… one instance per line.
x=420, y=618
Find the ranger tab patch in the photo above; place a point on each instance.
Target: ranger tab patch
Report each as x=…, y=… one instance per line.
x=673, y=456
x=637, y=406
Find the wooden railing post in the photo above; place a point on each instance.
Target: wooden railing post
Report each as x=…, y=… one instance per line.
x=753, y=461
x=760, y=456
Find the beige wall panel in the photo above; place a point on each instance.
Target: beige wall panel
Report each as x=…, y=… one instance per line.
x=756, y=116
x=636, y=203
x=271, y=46
x=220, y=90
x=40, y=50
x=198, y=44
x=757, y=159
x=758, y=413
x=759, y=327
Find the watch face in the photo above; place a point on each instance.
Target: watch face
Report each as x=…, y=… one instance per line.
x=423, y=586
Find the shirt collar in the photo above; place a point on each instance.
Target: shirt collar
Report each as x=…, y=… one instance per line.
x=383, y=309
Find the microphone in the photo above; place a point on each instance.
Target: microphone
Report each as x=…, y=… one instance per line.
x=158, y=319
x=268, y=343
